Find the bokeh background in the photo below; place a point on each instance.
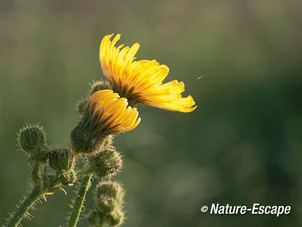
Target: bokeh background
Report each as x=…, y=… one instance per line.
x=242, y=144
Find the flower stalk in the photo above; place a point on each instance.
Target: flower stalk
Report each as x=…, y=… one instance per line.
x=79, y=201
x=25, y=207
x=35, y=174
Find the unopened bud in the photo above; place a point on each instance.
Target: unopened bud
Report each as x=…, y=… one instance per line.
x=109, y=196
x=31, y=137
x=61, y=159
x=105, y=163
x=110, y=189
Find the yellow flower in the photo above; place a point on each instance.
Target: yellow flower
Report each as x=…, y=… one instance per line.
x=105, y=114
x=141, y=81
x=112, y=112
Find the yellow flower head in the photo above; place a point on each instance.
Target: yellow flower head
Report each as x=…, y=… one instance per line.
x=141, y=81
x=105, y=114
x=112, y=112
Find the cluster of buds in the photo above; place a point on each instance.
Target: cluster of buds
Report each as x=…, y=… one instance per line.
x=106, y=162
x=32, y=139
x=109, y=198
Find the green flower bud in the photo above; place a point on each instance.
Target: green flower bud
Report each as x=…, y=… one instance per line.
x=99, y=85
x=105, y=163
x=31, y=137
x=67, y=177
x=116, y=218
x=61, y=159
x=110, y=189
x=109, y=196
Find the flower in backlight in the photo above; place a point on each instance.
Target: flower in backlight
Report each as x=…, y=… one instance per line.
x=141, y=82
x=106, y=113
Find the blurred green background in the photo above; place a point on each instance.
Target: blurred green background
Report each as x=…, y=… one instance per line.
x=242, y=144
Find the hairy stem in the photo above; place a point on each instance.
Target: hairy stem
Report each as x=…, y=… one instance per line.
x=35, y=174
x=24, y=208
x=78, y=204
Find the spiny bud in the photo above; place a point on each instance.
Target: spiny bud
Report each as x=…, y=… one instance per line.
x=109, y=196
x=105, y=163
x=61, y=159
x=31, y=137
x=99, y=85
x=110, y=189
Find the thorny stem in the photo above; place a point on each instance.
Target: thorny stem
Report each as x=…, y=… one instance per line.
x=78, y=204
x=24, y=208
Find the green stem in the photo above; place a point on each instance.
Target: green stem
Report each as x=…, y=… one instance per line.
x=25, y=206
x=35, y=174
x=78, y=203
